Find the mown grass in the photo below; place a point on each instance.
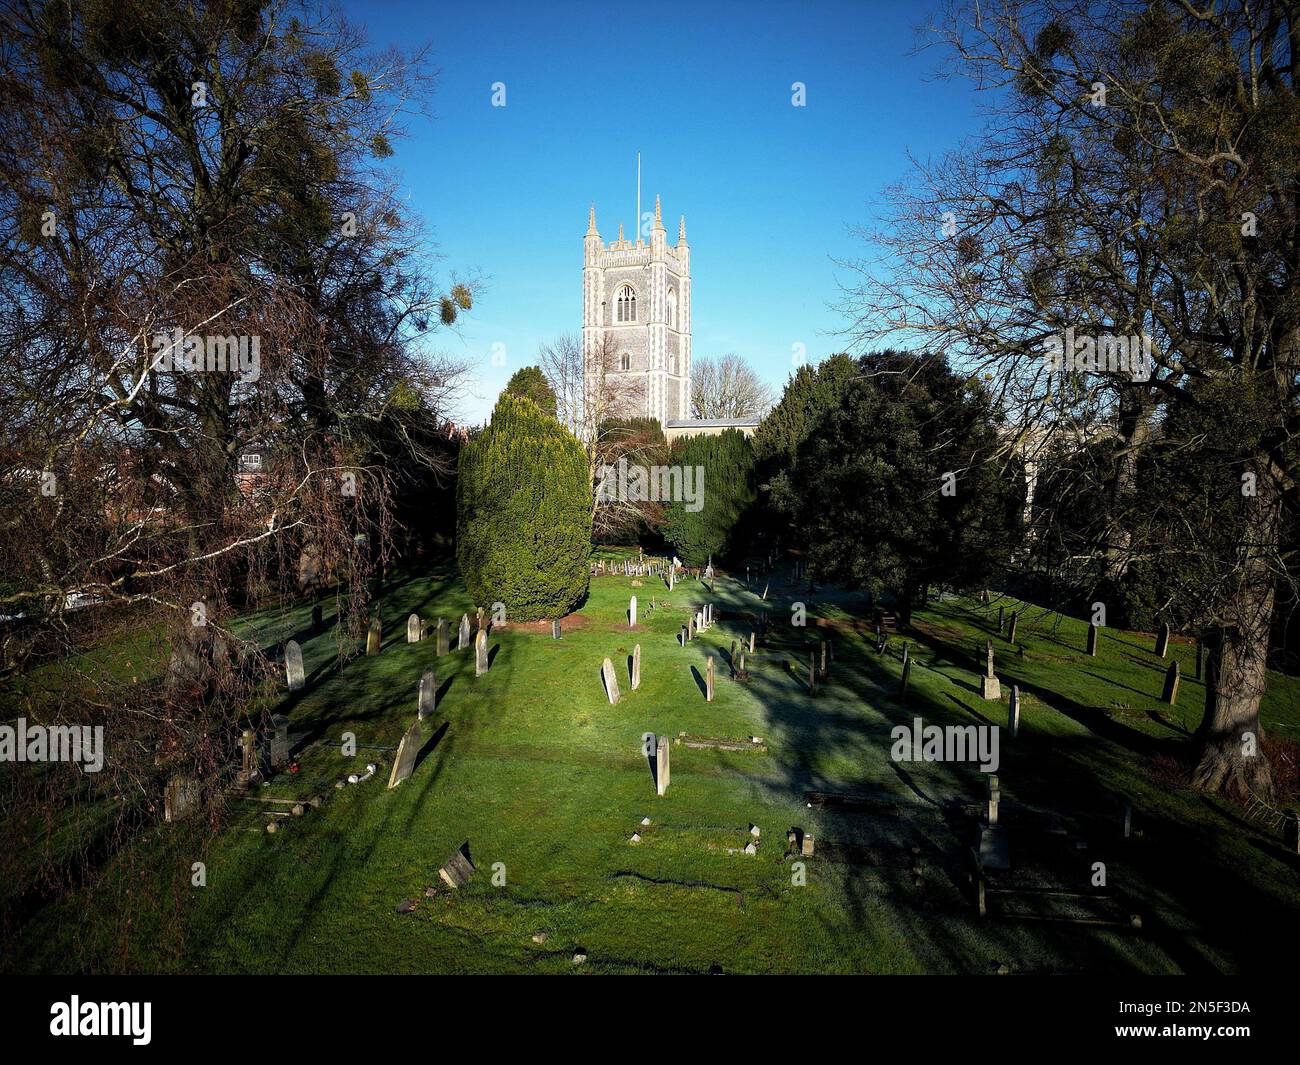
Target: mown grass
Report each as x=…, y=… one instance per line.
x=547, y=782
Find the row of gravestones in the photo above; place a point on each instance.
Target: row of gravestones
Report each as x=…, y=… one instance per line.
x=416, y=630
x=1161, y=649
x=628, y=568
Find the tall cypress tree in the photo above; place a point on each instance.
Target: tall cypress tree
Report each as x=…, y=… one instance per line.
x=524, y=513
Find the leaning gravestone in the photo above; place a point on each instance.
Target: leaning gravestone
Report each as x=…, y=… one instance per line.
x=428, y=697
x=636, y=667
x=480, y=653
x=662, y=753
x=708, y=680
x=414, y=629
x=1013, y=712
x=457, y=869
x=462, y=635
x=989, y=686
x=1162, y=641
x=444, y=637
x=1011, y=633
x=293, y=665
x=375, y=637
x=1092, y=640
x=611, y=681
x=407, y=749
x=631, y=612
x=279, y=741
x=1171, y=683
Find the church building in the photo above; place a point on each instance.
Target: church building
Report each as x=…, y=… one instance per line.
x=638, y=295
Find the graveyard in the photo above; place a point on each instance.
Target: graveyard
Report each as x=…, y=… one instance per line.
x=526, y=833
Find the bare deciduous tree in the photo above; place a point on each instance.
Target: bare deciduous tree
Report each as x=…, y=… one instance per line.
x=728, y=388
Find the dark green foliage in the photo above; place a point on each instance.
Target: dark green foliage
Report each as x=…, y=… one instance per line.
x=524, y=513
x=727, y=491
x=532, y=384
x=864, y=491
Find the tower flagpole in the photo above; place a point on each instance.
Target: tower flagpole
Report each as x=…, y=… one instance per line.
x=638, y=197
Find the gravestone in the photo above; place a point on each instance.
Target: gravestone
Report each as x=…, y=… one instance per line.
x=636, y=667
x=478, y=617
x=1291, y=831
x=407, y=749
x=248, y=759
x=279, y=740
x=1092, y=640
x=690, y=628
x=825, y=662
x=995, y=796
x=414, y=629
x=480, y=653
x=989, y=686
x=1013, y=712
x=765, y=588
x=751, y=641
x=907, y=672
x=1011, y=633
x=611, y=681
x=444, y=637
x=740, y=665
x=428, y=697
x=462, y=635
x=457, y=870
x=1000, y=620
x=555, y=629
x=672, y=577
x=708, y=680
x=293, y=665
x=994, y=851
x=1170, y=695
x=180, y=798
x=375, y=637
x=631, y=612
x=317, y=618
x=1162, y=640
x=662, y=752
x=685, y=635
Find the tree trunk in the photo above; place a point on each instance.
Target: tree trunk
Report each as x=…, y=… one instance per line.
x=1134, y=426
x=1232, y=758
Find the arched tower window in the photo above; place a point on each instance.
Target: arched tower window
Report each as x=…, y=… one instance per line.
x=625, y=360
x=625, y=304
x=672, y=308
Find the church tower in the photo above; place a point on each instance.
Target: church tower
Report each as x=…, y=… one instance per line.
x=636, y=305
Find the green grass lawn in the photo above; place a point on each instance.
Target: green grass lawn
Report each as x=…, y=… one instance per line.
x=547, y=782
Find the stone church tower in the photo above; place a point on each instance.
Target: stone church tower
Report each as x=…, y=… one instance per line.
x=639, y=296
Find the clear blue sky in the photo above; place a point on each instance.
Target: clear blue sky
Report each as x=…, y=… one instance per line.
x=703, y=91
